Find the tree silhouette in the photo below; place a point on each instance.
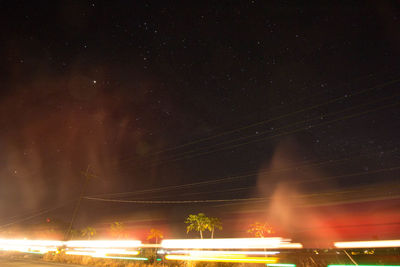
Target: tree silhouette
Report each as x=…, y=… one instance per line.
x=258, y=229
x=199, y=223
x=155, y=234
x=214, y=223
x=89, y=232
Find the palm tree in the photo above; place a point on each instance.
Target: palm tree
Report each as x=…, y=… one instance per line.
x=117, y=229
x=260, y=229
x=199, y=223
x=155, y=234
x=214, y=223
x=89, y=232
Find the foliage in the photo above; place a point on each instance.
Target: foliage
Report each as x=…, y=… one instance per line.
x=214, y=223
x=155, y=234
x=201, y=222
x=88, y=232
x=258, y=229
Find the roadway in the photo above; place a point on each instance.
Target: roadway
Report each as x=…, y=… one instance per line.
x=4, y=262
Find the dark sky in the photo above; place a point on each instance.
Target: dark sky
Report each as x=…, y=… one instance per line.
x=161, y=93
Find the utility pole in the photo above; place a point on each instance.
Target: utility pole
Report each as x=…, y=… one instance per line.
x=87, y=176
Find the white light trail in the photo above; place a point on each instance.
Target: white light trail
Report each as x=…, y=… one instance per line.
x=229, y=243
x=31, y=246
x=368, y=244
x=222, y=259
x=219, y=252
x=101, y=253
x=103, y=243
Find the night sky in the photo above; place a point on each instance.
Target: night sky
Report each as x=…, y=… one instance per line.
x=154, y=94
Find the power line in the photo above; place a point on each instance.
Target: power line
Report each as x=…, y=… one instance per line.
x=242, y=176
x=315, y=94
x=235, y=200
x=349, y=175
x=282, y=134
x=240, y=199
x=220, y=191
x=35, y=215
x=237, y=177
x=172, y=201
x=363, y=189
x=280, y=117
x=272, y=119
x=87, y=176
x=24, y=215
x=318, y=204
x=181, y=155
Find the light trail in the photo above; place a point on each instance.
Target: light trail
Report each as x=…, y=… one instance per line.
x=110, y=249
x=229, y=243
x=113, y=249
x=223, y=259
x=281, y=264
x=103, y=243
x=30, y=246
x=368, y=244
x=95, y=254
x=100, y=253
x=126, y=258
x=218, y=252
x=79, y=253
